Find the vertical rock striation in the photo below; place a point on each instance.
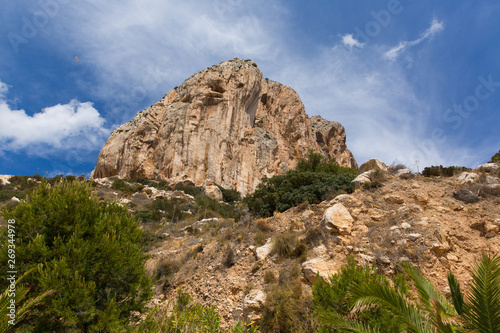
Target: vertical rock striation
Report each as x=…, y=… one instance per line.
x=227, y=124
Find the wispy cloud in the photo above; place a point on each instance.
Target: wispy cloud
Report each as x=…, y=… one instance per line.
x=349, y=41
x=139, y=50
x=436, y=26
x=380, y=108
x=62, y=127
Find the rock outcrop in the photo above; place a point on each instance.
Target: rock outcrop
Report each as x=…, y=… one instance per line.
x=227, y=124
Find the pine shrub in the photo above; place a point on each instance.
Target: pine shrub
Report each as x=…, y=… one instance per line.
x=91, y=257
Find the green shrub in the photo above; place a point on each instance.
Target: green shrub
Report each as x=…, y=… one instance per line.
x=182, y=300
x=122, y=185
x=173, y=209
x=146, y=215
x=6, y=193
x=312, y=181
x=23, y=183
x=91, y=256
x=280, y=193
x=229, y=195
x=191, y=190
x=318, y=163
x=331, y=298
x=495, y=158
x=205, y=204
x=440, y=171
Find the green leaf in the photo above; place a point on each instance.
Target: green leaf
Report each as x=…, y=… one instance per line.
x=484, y=297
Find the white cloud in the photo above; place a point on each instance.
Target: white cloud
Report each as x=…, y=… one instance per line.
x=349, y=41
x=139, y=50
x=61, y=128
x=436, y=26
x=3, y=89
x=382, y=113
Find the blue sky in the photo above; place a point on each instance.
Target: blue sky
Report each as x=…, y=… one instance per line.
x=409, y=80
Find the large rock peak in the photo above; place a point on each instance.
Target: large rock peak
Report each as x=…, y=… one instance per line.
x=227, y=124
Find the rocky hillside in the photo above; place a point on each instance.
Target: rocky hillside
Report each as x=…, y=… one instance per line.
x=203, y=242
x=439, y=224
x=222, y=256
x=226, y=124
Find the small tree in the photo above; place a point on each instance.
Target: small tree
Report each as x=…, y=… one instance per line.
x=91, y=257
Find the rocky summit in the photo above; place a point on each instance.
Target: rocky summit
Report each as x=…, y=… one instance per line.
x=226, y=124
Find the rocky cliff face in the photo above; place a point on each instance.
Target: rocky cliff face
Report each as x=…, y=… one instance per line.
x=227, y=124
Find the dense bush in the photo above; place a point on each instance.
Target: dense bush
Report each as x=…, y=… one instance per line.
x=440, y=171
x=312, y=181
x=91, y=256
x=229, y=195
x=330, y=299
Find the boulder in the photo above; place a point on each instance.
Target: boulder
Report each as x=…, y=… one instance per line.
x=467, y=178
x=4, y=179
x=318, y=266
x=212, y=191
x=307, y=216
x=361, y=179
x=491, y=230
x=263, y=251
x=254, y=303
x=347, y=200
x=489, y=167
x=184, y=183
x=440, y=248
x=465, y=196
x=403, y=173
x=373, y=164
x=394, y=199
x=338, y=220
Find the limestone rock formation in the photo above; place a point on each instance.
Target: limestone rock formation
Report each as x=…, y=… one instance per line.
x=372, y=164
x=226, y=123
x=338, y=219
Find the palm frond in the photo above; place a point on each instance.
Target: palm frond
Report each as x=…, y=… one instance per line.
x=484, y=296
x=427, y=292
x=390, y=299
x=456, y=294
x=20, y=293
x=345, y=325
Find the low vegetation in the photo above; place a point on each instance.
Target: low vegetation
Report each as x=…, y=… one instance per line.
x=440, y=171
x=287, y=308
x=312, y=181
